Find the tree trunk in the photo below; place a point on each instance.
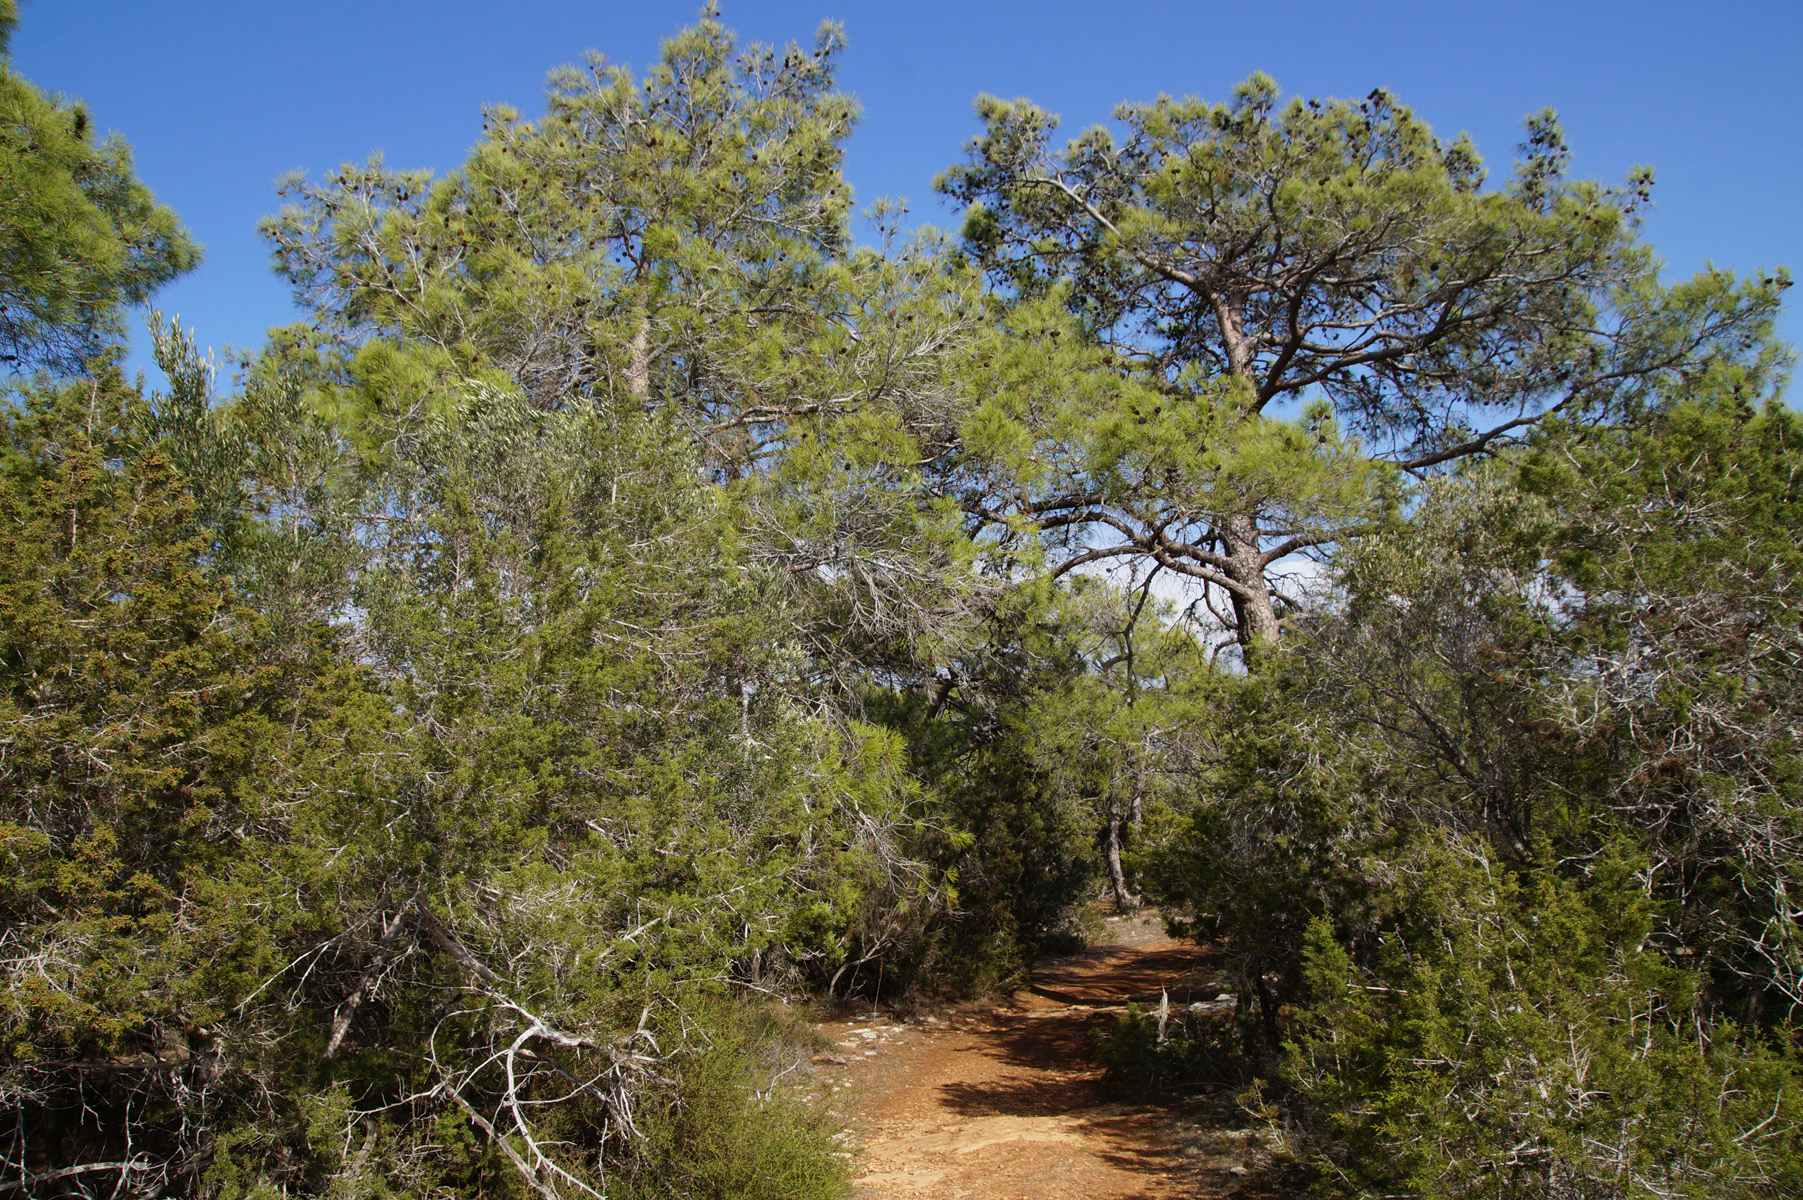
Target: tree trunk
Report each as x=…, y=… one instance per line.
x=638, y=360
x=1124, y=899
x=1253, y=610
x=1254, y=613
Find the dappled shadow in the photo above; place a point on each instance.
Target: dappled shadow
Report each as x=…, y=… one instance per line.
x=1137, y=1141
x=1058, y=1049
x=1041, y=1096
x=1123, y=977
x=1013, y=1101
x=1051, y=1042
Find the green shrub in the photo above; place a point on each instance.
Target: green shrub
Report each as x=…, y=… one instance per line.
x=1518, y=1037
x=735, y=1126
x=1195, y=1050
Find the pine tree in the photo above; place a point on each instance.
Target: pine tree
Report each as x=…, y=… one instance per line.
x=80, y=237
x=1235, y=262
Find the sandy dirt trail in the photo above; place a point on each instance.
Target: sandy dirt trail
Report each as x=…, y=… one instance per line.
x=1006, y=1101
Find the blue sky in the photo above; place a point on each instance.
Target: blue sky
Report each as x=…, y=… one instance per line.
x=220, y=97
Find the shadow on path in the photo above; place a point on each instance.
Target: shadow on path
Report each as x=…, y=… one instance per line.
x=1011, y=1102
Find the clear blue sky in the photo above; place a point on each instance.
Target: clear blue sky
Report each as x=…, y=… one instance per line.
x=220, y=97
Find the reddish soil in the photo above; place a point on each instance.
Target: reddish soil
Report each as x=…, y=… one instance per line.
x=1005, y=1101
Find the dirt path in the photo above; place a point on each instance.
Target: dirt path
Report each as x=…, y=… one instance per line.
x=998, y=1102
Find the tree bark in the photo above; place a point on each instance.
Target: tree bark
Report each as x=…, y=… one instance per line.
x=1255, y=614
x=638, y=360
x=1124, y=899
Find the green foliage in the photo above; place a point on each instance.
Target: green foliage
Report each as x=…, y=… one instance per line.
x=82, y=237
x=1496, y=842
x=1022, y=856
x=730, y=1130
x=1223, y=265
x=1188, y=1050
x=1678, y=544
x=621, y=598
x=1301, y=219
x=141, y=703
x=533, y=778
x=1059, y=421
x=1282, y=836
x=679, y=240
x=1519, y=1037
x=675, y=244
x=566, y=822
x=481, y=853
x=1597, y=641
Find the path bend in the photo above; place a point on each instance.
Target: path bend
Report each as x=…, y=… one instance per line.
x=1006, y=1101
